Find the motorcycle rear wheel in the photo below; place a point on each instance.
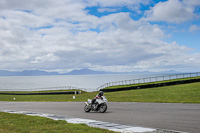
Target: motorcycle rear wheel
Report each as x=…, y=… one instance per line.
x=87, y=108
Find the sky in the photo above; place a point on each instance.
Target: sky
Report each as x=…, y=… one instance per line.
x=103, y=35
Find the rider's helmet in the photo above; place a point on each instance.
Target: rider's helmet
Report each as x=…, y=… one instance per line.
x=100, y=93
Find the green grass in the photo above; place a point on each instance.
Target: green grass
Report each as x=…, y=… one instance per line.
x=182, y=93
x=48, y=98
x=19, y=123
x=185, y=93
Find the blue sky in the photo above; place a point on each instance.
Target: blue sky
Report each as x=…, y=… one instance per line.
x=114, y=35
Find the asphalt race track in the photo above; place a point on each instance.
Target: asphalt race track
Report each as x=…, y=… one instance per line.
x=170, y=116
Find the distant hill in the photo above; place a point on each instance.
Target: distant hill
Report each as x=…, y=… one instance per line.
x=43, y=73
x=26, y=73
x=85, y=72
x=74, y=72
x=37, y=72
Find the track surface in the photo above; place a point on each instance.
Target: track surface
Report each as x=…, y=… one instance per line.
x=171, y=116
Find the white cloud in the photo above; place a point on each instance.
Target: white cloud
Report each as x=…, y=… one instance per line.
x=107, y=10
x=44, y=58
x=172, y=11
x=192, y=2
x=58, y=36
x=194, y=28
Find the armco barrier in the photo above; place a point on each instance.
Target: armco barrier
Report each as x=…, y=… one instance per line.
x=152, y=85
x=149, y=79
x=44, y=93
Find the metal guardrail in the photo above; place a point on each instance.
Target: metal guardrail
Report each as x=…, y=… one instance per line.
x=48, y=88
x=150, y=79
x=57, y=88
x=42, y=93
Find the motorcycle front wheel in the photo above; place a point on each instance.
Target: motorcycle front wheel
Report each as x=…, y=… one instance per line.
x=103, y=108
x=87, y=108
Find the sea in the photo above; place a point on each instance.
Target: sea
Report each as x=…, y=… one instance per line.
x=64, y=82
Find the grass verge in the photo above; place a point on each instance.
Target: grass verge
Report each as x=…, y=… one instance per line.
x=20, y=123
x=185, y=93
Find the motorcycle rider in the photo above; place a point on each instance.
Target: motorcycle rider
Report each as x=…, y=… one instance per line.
x=98, y=96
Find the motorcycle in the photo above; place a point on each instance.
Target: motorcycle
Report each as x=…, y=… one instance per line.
x=99, y=105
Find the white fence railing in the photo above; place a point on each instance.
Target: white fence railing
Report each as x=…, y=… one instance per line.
x=47, y=88
x=149, y=79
